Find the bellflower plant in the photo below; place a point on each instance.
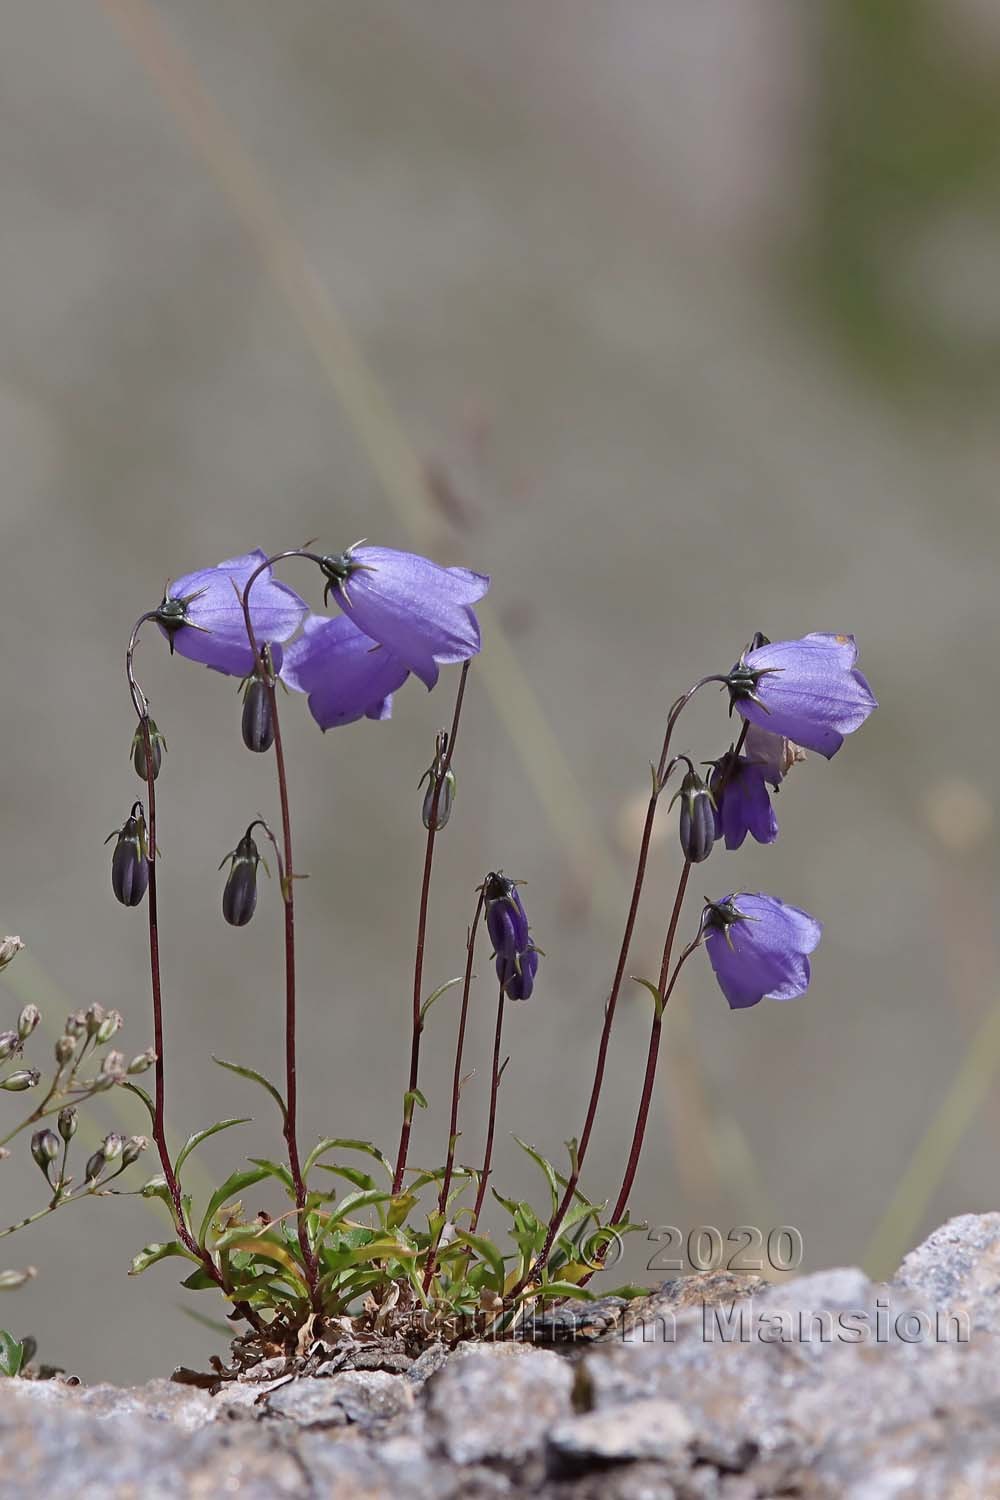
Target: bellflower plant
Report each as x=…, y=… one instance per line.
x=379, y=1261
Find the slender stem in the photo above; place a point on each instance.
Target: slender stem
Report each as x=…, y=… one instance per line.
x=495, y=1076
x=659, y=775
x=441, y=773
x=456, y=1086
x=159, y=1134
x=654, y=1046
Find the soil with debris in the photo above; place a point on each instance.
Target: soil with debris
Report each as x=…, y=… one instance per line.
x=713, y=1386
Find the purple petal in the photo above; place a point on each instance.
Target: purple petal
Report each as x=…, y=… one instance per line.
x=743, y=805
x=346, y=674
x=215, y=629
x=764, y=956
x=815, y=697
x=420, y=611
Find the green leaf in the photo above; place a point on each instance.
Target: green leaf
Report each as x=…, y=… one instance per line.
x=399, y=1212
x=487, y=1251
x=346, y=1143
x=547, y=1168
x=11, y=1354
x=150, y=1254
x=276, y=1169
x=647, y=984
x=353, y=1201
x=437, y=996
x=557, y=1289
x=234, y=1183
x=203, y=1135
x=251, y=1073
x=363, y=1180
x=135, y=1088
x=412, y=1097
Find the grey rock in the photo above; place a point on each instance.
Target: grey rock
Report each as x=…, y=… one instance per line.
x=826, y=1386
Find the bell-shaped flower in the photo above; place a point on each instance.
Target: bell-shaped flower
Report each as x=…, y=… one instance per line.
x=810, y=690
x=759, y=947
x=418, y=610
x=742, y=802
x=507, y=923
x=202, y=614
x=346, y=674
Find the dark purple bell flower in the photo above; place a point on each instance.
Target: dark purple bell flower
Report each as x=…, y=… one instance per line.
x=419, y=611
x=347, y=675
x=520, y=981
x=202, y=614
x=758, y=947
x=742, y=801
x=810, y=690
x=506, y=920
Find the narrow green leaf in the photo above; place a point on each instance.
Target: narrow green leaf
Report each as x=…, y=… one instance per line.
x=346, y=1143
x=234, y=1183
x=412, y=1097
x=137, y=1089
x=203, y=1135
x=443, y=989
x=547, y=1169
x=488, y=1252
x=557, y=1289
x=647, y=984
x=150, y=1254
x=400, y=1209
x=244, y=1072
x=276, y=1169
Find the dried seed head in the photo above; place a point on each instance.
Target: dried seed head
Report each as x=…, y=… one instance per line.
x=45, y=1147
x=112, y=1070
x=27, y=1021
x=113, y=1146
x=64, y=1049
x=10, y=947
x=93, y=1018
x=76, y=1024
x=112, y=1022
x=133, y=1149
x=25, y=1078
x=67, y=1122
x=10, y=1043
x=142, y=1062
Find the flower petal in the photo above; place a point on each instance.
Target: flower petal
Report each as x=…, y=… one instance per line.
x=214, y=631
x=810, y=690
x=345, y=673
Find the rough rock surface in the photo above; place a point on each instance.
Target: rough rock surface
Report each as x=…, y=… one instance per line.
x=826, y=1386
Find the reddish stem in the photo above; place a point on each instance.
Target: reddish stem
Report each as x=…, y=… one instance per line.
x=456, y=1087
x=418, y=962
x=491, y=1128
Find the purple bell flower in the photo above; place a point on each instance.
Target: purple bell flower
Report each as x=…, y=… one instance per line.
x=202, y=614
x=347, y=675
x=520, y=984
x=742, y=803
x=419, y=611
x=758, y=947
x=810, y=690
x=507, y=923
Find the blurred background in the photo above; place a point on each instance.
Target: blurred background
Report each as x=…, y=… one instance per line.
x=681, y=319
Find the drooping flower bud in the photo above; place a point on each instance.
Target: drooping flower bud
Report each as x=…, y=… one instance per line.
x=507, y=923
x=25, y=1078
x=67, y=1122
x=157, y=745
x=239, y=897
x=446, y=797
x=10, y=947
x=28, y=1020
x=10, y=1043
x=64, y=1049
x=45, y=1148
x=258, y=715
x=130, y=861
x=697, y=820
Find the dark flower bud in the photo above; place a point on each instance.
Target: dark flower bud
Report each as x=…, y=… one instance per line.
x=697, y=821
x=64, y=1049
x=95, y=1166
x=45, y=1148
x=10, y=1043
x=16, y=1083
x=133, y=1149
x=142, y=1062
x=258, y=715
x=157, y=745
x=239, y=898
x=130, y=861
x=67, y=1122
x=27, y=1021
x=112, y=1022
